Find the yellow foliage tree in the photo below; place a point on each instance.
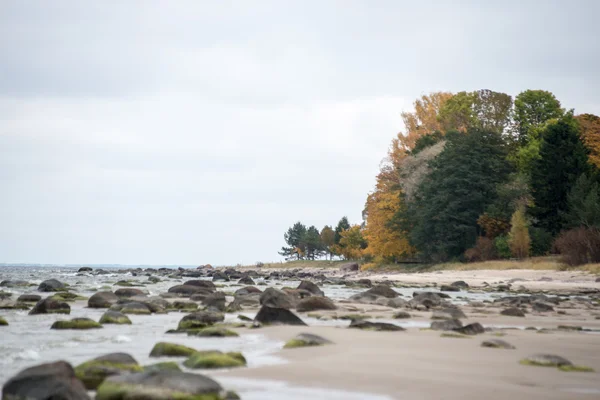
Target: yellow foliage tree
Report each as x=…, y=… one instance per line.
x=352, y=243
x=518, y=238
x=590, y=132
x=384, y=243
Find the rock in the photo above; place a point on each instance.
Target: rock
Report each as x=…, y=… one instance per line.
x=246, y=280
x=160, y=385
x=67, y=296
x=546, y=360
x=438, y=314
x=275, y=298
x=10, y=284
x=164, y=349
x=76, y=323
x=213, y=331
x=85, y=269
x=220, y=276
x=51, y=285
x=244, y=318
x=201, y=294
x=427, y=299
x=497, y=344
x=247, y=290
x=541, y=307
x=598, y=279
x=397, y=302
x=29, y=298
x=311, y=287
x=368, y=298
x=129, y=292
x=513, y=312
x=449, y=288
x=185, y=305
x=306, y=339
x=92, y=373
x=102, y=300
x=162, y=366
x=401, y=315
x=12, y=305
x=214, y=359
x=3, y=322
x=50, y=306
x=384, y=291
x=124, y=284
x=446, y=325
x=460, y=284
x=215, y=301
x=201, y=284
x=44, y=382
x=114, y=317
x=200, y=319
x=314, y=303
x=277, y=316
x=349, y=267
x=241, y=302
x=451, y=312
x=188, y=290
x=135, y=308
x=472, y=329
x=374, y=326
x=363, y=282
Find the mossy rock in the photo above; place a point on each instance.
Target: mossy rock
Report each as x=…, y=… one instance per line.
x=67, y=296
x=111, y=390
x=306, y=340
x=214, y=360
x=546, y=360
x=570, y=328
x=354, y=316
x=3, y=322
x=115, y=317
x=163, y=366
x=124, y=284
x=92, y=373
x=244, y=318
x=213, y=331
x=76, y=323
x=575, y=368
x=184, y=306
x=454, y=335
x=164, y=349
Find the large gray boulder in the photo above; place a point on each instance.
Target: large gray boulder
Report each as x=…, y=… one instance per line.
x=277, y=316
x=383, y=290
x=311, y=287
x=102, y=300
x=51, y=285
x=349, y=267
x=275, y=298
x=50, y=306
x=314, y=303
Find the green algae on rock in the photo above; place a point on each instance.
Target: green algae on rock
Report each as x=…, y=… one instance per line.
x=115, y=317
x=92, y=373
x=3, y=322
x=214, y=360
x=76, y=323
x=213, y=331
x=165, y=349
x=306, y=340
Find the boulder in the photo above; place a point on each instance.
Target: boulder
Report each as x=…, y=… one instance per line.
x=363, y=282
x=201, y=284
x=214, y=360
x=247, y=290
x=401, y=315
x=305, y=340
x=76, y=323
x=184, y=305
x=46, y=381
x=374, y=326
x=114, y=317
x=10, y=284
x=29, y=298
x=200, y=319
x=513, y=312
x=220, y=276
x=277, y=316
x=215, y=301
x=311, y=287
x=213, y=331
x=102, y=300
x=129, y=292
x=449, y=288
x=472, y=329
x=3, y=322
x=541, y=307
x=397, y=302
x=384, y=291
x=246, y=280
x=546, y=360
x=188, y=290
x=275, y=298
x=51, y=285
x=349, y=267
x=92, y=373
x=497, y=344
x=460, y=284
x=426, y=299
x=50, y=306
x=446, y=325
x=368, y=298
x=85, y=269
x=314, y=303
x=241, y=302
x=164, y=349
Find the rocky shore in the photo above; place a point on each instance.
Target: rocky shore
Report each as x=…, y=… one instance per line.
x=452, y=334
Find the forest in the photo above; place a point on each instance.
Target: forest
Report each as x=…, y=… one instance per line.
x=476, y=176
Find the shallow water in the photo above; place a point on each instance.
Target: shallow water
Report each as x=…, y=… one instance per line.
x=28, y=340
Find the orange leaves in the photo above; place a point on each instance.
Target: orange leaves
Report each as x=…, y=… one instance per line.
x=423, y=120
x=590, y=132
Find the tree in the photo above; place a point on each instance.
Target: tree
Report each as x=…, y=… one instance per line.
x=352, y=243
x=443, y=216
x=518, y=238
x=457, y=114
x=482, y=109
x=342, y=225
x=533, y=108
x=312, y=243
x=294, y=238
x=563, y=158
x=589, y=125
x=583, y=204
x=328, y=239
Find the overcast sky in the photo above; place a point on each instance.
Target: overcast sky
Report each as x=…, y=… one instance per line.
x=192, y=132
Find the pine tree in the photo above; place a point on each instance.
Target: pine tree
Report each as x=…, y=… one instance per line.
x=312, y=243
x=341, y=227
x=294, y=238
x=518, y=238
x=584, y=204
x=563, y=158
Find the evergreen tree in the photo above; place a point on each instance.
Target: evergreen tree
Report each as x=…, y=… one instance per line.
x=563, y=158
x=443, y=216
x=294, y=237
x=342, y=226
x=584, y=204
x=312, y=243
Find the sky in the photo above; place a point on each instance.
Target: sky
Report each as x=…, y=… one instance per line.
x=194, y=132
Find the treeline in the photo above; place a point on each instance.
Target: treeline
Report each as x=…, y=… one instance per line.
x=478, y=176
x=309, y=243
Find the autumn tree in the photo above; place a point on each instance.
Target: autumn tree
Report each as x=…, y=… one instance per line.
x=589, y=126
x=481, y=109
x=563, y=158
x=342, y=225
x=294, y=238
x=328, y=240
x=352, y=243
x=518, y=238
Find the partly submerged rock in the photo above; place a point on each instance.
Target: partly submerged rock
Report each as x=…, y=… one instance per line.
x=545, y=360
x=311, y=287
x=214, y=360
x=275, y=298
x=51, y=285
x=213, y=331
x=50, y=306
x=472, y=329
x=102, y=300
x=46, y=381
x=446, y=325
x=513, y=312
x=200, y=319
x=306, y=339
x=160, y=385
x=497, y=344
x=129, y=292
x=277, y=316
x=76, y=323
x=374, y=326
x=114, y=317
x=92, y=373
x=29, y=298
x=315, y=303
x=164, y=349
x=3, y=322
x=384, y=291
